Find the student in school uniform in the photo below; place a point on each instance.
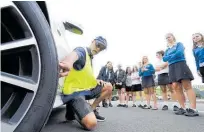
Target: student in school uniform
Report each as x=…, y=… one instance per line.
x=128, y=85
x=107, y=75
x=147, y=71
x=180, y=75
x=162, y=71
x=198, y=52
x=119, y=78
x=136, y=86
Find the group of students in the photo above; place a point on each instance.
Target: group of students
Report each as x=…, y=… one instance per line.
x=81, y=85
x=172, y=73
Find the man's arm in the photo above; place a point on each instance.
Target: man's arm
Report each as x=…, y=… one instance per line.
x=67, y=63
x=76, y=59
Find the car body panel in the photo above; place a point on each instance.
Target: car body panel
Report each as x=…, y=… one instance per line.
x=59, y=29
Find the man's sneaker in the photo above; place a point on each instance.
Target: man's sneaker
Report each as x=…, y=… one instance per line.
x=134, y=105
x=110, y=105
x=175, y=108
x=191, y=113
x=98, y=117
x=181, y=111
x=165, y=107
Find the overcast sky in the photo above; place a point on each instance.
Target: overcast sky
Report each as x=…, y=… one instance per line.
x=134, y=28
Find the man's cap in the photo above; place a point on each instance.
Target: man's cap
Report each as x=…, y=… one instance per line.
x=101, y=40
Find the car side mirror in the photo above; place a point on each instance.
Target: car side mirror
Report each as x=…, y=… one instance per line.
x=72, y=28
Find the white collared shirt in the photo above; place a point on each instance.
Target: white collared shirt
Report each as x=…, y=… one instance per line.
x=159, y=64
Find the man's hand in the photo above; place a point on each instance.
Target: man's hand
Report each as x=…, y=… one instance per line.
x=65, y=67
x=101, y=82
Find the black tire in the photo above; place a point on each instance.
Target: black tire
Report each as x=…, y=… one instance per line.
x=42, y=105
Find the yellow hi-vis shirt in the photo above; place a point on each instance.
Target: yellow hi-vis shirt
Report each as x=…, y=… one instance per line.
x=80, y=80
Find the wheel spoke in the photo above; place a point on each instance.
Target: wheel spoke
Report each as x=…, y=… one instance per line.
x=18, y=44
x=19, y=81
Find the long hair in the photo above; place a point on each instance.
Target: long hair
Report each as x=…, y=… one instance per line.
x=174, y=38
x=135, y=69
x=202, y=40
x=143, y=60
x=127, y=70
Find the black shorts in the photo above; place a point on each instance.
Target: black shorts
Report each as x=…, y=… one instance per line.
x=128, y=88
x=179, y=71
x=79, y=106
x=119, y=86
x=89, y=94
x=163, y=79
x=136, y=87
x=148, y=82
x=202, y=73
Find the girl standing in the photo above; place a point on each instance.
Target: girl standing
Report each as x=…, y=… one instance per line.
x=198, y=51
x=146, y=71
x=180, y=75
x=136, y=86
x=162, y=71
x=128, y=85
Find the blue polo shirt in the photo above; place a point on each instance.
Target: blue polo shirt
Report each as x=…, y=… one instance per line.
x=174, y=54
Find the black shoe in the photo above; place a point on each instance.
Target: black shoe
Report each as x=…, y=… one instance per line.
x=98, y=106
x=146, y=107
x=134, y=105
x=181, y=111
x=110, y=105
x=140, y=106
x=175, y=108
x=98, y=117
x=119, y=105
x=105, y=105
x=126, y=106
x=165, y=107
x=191, y=113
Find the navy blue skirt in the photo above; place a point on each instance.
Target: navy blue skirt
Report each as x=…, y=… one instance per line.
x=148, y=82
x=179, y=71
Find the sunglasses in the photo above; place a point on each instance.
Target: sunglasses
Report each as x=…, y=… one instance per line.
x=100, y=46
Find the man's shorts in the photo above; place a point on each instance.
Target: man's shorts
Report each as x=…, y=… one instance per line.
x=79, y=106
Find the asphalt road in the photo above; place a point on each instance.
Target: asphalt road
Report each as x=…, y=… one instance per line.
x=131, y=120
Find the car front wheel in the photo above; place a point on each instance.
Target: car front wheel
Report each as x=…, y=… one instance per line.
x=29, y=67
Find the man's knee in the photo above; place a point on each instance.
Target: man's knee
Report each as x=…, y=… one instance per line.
x=89, y=121
x=109, y=87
